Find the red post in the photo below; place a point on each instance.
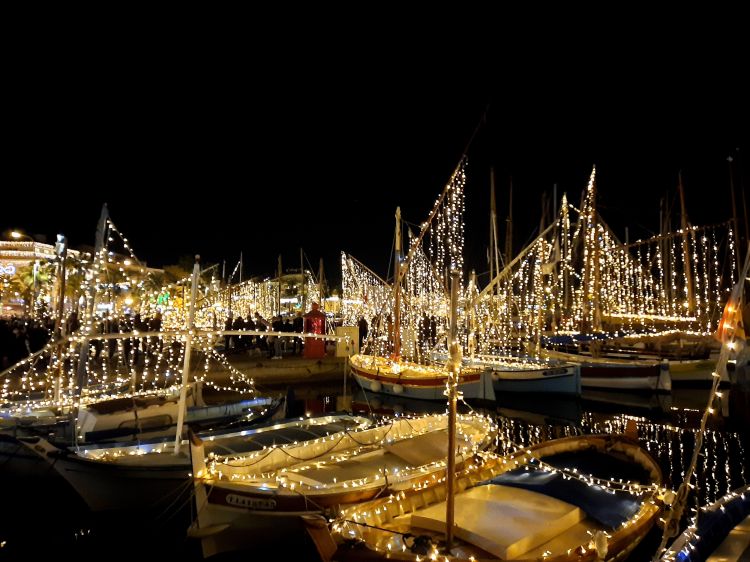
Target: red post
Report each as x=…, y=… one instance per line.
x=315, y=323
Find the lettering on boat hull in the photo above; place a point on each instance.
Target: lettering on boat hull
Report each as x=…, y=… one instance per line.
x=250, y=503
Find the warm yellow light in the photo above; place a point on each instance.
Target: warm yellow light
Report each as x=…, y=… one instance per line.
x=128, y=301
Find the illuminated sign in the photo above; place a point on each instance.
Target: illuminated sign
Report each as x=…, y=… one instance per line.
x=9, y=269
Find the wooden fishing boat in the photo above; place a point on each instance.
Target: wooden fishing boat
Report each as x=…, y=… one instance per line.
x=617, y=373
x=261, y=496
x=139, y=475
x=550, y=501
x=425, y=382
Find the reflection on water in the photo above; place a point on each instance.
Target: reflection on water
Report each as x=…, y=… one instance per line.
x=45, y=514
x=667, y=425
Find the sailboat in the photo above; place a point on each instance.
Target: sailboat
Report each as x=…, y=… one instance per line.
x=577, y=498
x=403, y=360
x=118, y=411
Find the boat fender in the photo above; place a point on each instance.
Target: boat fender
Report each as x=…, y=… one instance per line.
x=375, y=386
x=398, y=389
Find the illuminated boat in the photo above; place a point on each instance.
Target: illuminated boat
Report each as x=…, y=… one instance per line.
x=616, y=373
x=260, y=496
x=581, y=498
x=411, y=380
x=721, y=532
x=151, y=474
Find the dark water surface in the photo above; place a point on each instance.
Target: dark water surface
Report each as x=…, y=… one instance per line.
x=42, y=517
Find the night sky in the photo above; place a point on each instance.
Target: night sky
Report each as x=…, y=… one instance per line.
x=255, y=163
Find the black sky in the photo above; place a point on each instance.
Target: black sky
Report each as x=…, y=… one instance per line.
x=266, y=158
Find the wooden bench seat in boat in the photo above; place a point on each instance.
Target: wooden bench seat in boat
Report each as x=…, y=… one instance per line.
x=504, y=521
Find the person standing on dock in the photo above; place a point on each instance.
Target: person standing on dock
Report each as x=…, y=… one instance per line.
x=362, y=325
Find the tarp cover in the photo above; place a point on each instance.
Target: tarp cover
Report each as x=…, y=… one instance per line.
x=611, y=510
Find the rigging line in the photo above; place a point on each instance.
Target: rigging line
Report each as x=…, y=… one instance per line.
x=178, y=493
x=367, y=269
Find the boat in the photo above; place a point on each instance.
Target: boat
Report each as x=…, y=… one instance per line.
x=147, y=416
x=577, y=498
x=118, y=410
x=524, y=375
x=563, y=379
x=721, y=533
x=615, y=373
x=412, y=380
x=400, y=359
x=148, y=474
x=688, y=365
x=260, y=496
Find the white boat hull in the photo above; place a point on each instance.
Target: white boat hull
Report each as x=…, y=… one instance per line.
x=479, y=387
x=549, y=380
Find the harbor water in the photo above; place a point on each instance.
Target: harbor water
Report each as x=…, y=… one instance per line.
x=42, y=516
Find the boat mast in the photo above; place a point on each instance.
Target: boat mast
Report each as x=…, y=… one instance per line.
x=591, y=281
x=454, y=370
x=472, y=303
x=509, y=226
x=302, y=276
x=88, y=329
x=686, y=248
x=61, y=249
x=565, y=227
x=735, y=224
x=278, y=289
x=494, y=250
x=397, y=289
x=181, y=407
x=321, y=284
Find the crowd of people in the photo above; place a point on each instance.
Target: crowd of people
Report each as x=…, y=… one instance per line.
x=274, y=347
x=23, y=336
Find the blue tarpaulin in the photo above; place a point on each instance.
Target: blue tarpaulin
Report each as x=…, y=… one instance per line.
x=609, y=509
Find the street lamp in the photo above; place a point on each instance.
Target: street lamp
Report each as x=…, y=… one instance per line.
x=18, y=235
